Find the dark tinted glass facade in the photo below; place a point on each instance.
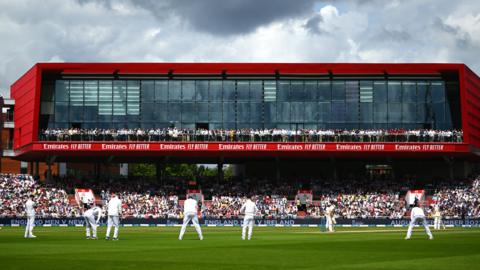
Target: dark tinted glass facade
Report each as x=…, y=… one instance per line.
x=236, y=104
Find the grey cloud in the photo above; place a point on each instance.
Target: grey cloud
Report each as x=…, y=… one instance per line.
x=228, y=17
x=393, y=35
x=313, y=24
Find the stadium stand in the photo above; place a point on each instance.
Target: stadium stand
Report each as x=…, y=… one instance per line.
x=358, y=199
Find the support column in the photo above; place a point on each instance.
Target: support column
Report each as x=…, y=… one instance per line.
x=277, y=170
x=37, y=169
x=220, y=171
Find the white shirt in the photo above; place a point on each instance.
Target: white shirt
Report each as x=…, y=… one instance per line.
x=417, y=212
x=95, y=212
x=30, y=208
x=250, y=208
x=190, y=206
x=114, y=207
x=330, y=210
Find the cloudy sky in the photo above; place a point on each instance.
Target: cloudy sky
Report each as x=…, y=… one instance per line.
x=236, y=31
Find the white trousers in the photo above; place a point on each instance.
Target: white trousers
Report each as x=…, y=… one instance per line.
x=115, y=222
x=91, y=223
x=329, y=224
x=414, y=221
x=248, y=222
x=437, y=222
x=186, y=219
x=30, y=225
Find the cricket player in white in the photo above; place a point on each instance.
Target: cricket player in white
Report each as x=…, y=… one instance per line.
x=114, y=212
x=418, y=214
x=249, y=209
x=437, y=216
x=92, y=217
x=330, y=216
x=30, y=211
x=190, y=211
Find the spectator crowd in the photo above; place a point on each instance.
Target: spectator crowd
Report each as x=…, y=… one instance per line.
x=353, y=199
x=253, y=135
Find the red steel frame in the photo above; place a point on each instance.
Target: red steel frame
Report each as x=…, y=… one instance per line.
x=27, y=89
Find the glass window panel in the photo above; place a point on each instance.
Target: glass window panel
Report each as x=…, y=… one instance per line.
x=380, y=113
x=188, y=112
x=229, y=112
x=201, y=90
x=439, y=112
x=256, y=112
x=311, y=92
x=283, y=114
x=366, y=112
x=351, y=112
x=119, y=99
x=324, y=109
x=133, y=99
x=215, y=90
x=256, y=91
x=202, y=111
x=148, y=91
x=338, y=112
x=394, y=91
x=61, y=91
x=61, y=112
x=379, y=91
x=161, y=90
x=409, y=112
x=174, y=90
x=283, y=90
x=311, y=111
x=324, y=91
x=394, y=113
x=215, y=112
x=366, y=91
x=188, y=90
x=76, y=114
x=421, y=113
x=148, y=111
x=243, y=90
x=297, y=91
x=91, y=93
x=352, y=91
x=438, y=92
x=243, y=112
x=338, y=90
x=423, y=93
x=48, y=91
x=105, y=98
x=161, y=113
x=76, y=93
x=91, y=113
x=409, y=92
x=174, y=112
x=270, y=112
x=229, y=90
x=297, y=112
x=270, y=91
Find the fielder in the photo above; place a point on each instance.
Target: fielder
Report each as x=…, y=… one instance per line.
x=437, y=216
x=249, y=209
x=92, y=217
x=418, y=214
x=30, y=211
x=330, y=215
x=114, y=212
x=190, y=210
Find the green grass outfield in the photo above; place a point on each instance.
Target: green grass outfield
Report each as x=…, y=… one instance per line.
x=271, y=248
